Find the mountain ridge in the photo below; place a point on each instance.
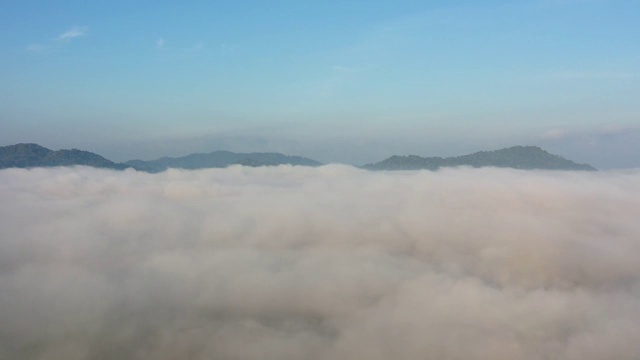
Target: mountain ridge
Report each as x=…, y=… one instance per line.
x=28, y=155
x=516, y=157
x=220, y=158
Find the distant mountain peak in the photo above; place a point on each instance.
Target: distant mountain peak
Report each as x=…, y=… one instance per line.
x=27, y=155
x=517, y=157
x=219, y=159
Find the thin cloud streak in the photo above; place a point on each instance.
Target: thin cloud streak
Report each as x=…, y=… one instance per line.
x=73, y=33
x=59, y=41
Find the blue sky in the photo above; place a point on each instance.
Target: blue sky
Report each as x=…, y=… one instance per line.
x=349, y=81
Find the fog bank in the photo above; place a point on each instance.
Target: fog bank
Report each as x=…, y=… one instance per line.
x=319, y=263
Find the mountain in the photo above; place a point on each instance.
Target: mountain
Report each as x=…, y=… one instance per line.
x=219, y=159
x=34, y=155
x=517, y=157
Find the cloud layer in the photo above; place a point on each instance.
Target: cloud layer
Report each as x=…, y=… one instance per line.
x=319, y=263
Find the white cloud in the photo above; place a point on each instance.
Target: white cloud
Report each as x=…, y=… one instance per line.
x=595, y=132
x=73, y=33
x=319, y=263
x=556, y=133
x=198, y=46
x=59, y=41
x=605, y=147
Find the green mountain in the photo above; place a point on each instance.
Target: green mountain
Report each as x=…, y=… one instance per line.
x=219, y=159
x=34, y=155
x=517, y=157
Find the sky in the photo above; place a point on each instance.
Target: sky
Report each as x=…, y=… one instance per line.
x=338, y=81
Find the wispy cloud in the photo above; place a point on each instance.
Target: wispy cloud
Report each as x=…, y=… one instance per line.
x=606, y=146
x=607, y=130
x=554, y=134
x=37, y=48
x=58, y=41
x=74, y=32
x=159, y=43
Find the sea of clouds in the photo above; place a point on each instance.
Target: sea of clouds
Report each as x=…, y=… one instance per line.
x=319, y=263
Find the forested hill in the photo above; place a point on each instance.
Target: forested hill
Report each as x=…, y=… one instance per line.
x=517, y=157
x=34, y=155
x=218, y=159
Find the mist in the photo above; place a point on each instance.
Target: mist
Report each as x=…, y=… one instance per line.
x=319, y=263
